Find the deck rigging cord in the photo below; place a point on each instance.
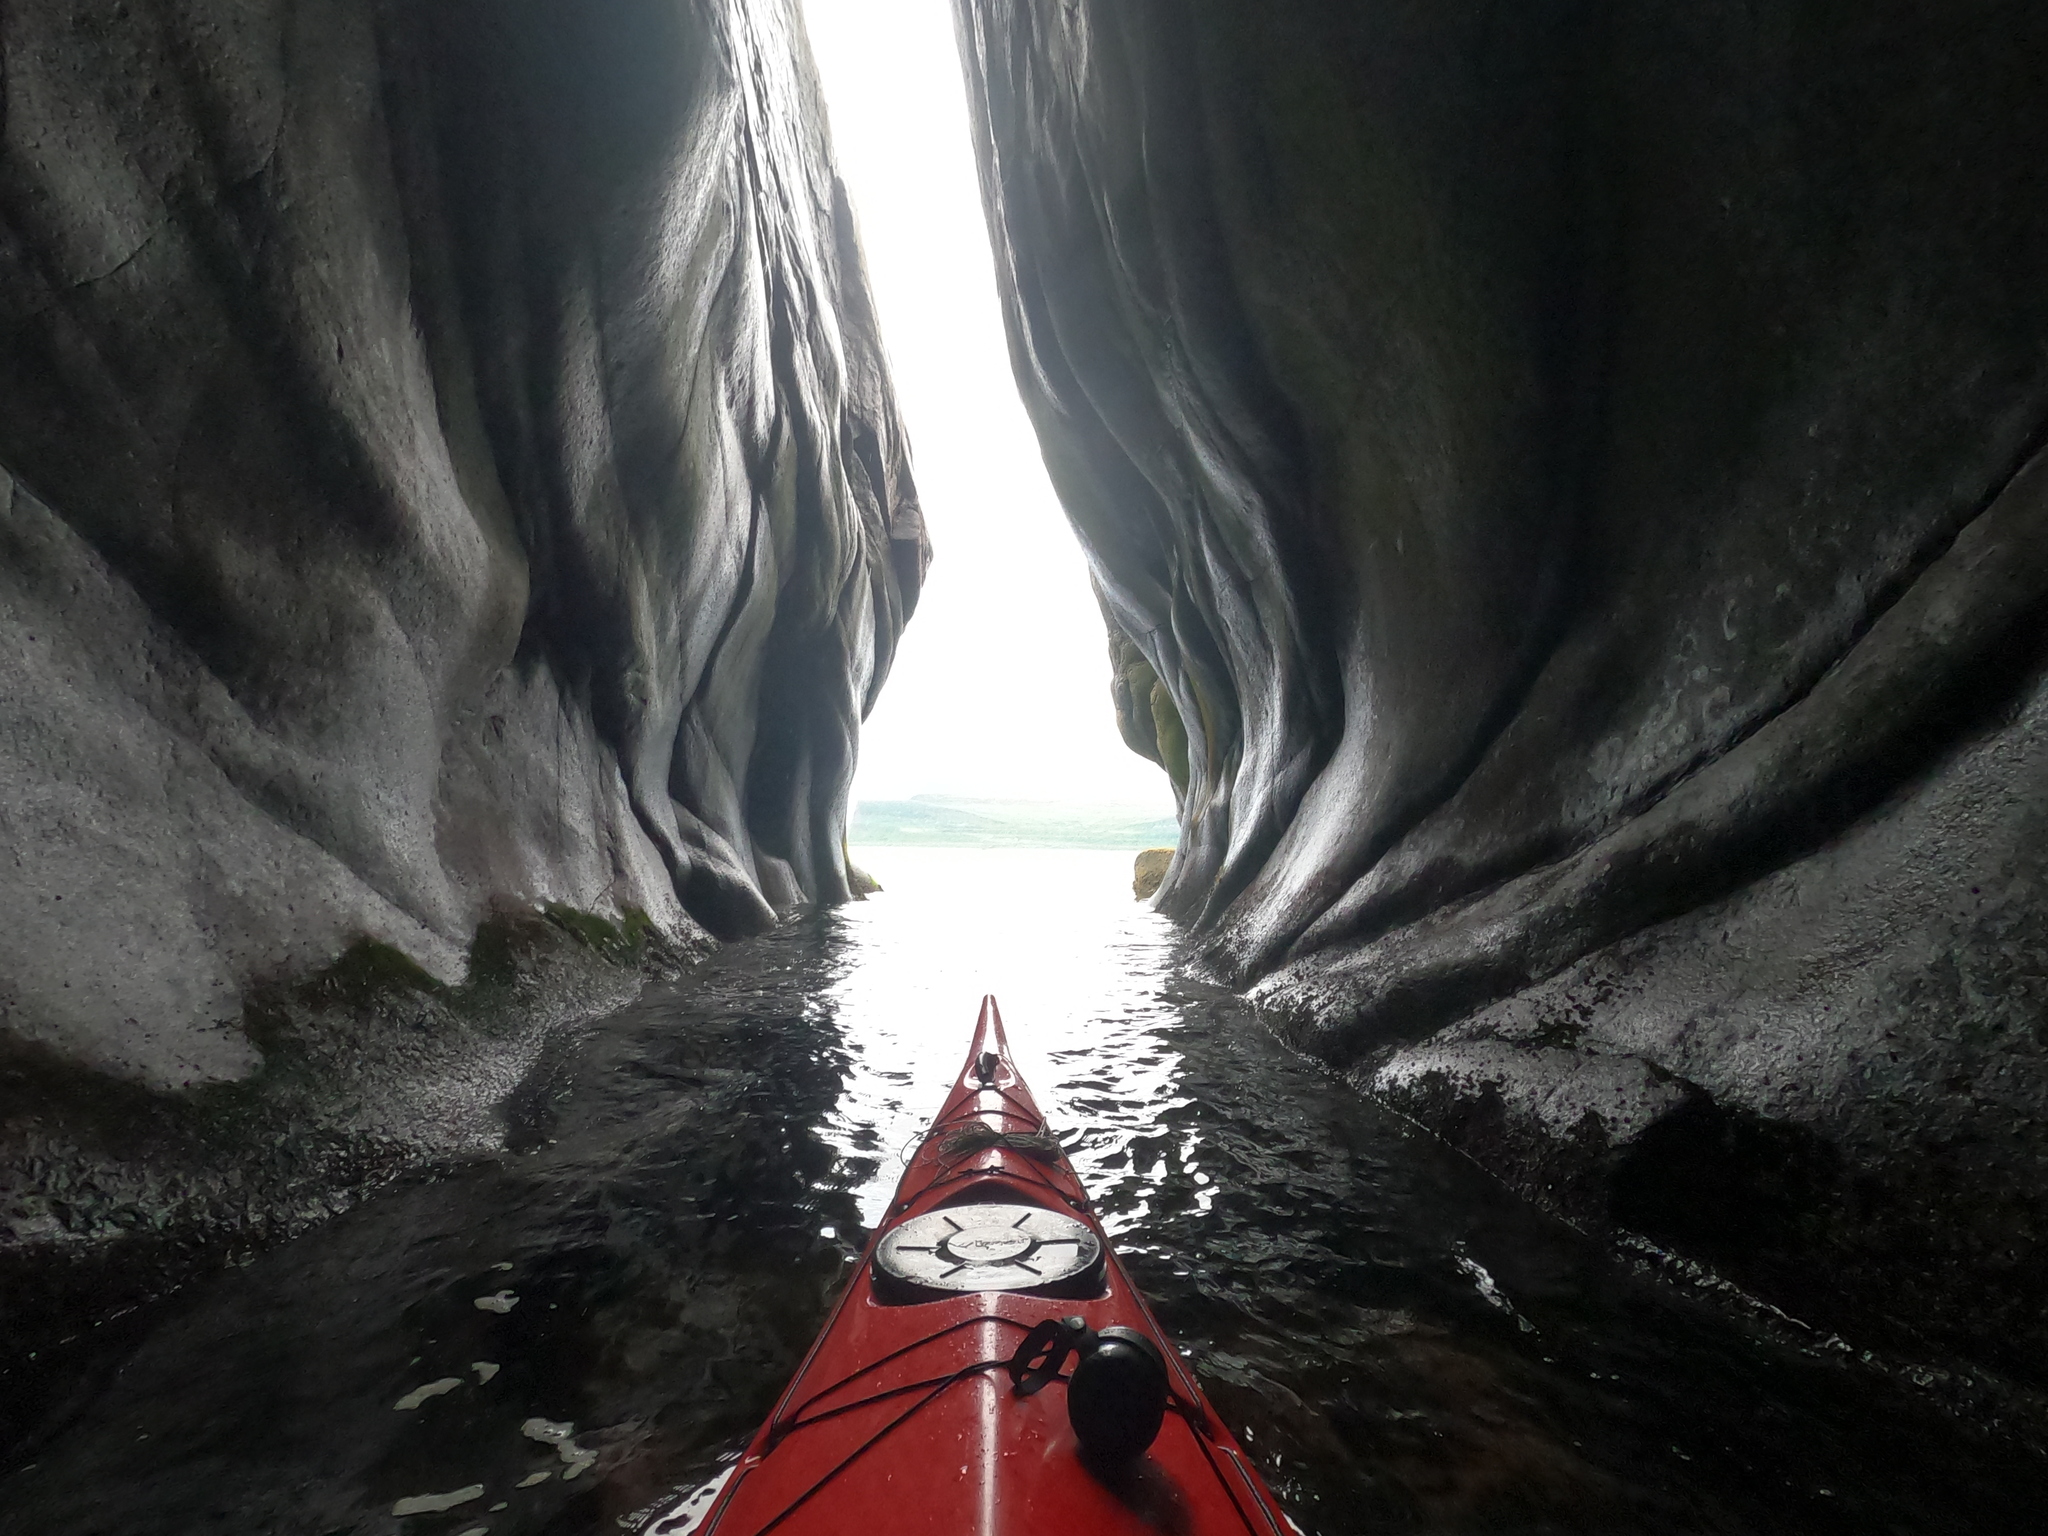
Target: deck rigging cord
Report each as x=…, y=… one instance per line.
x=962, y=1135
x=1040, y=1145
x=1034, y=1364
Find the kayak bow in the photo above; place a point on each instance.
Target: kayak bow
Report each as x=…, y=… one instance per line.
x=990, y=1371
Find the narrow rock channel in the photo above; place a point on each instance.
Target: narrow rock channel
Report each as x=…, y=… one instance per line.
x=580, y=1329
x=1559, y=512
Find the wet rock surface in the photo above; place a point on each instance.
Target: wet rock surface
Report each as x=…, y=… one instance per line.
x=113, y=1194
x=1564, y=484
x=448, y=467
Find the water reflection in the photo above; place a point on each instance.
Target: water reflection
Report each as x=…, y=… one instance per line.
x=1405, y=1347
x=1078, y=966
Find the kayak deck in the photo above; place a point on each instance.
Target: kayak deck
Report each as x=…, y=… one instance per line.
x=906, y=1416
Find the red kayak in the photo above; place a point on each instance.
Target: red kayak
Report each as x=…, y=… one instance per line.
x=991, y=1369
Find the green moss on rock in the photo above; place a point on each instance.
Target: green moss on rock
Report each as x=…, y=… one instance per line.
x=1146, y=716
x=368, y=972
x=371, y=1067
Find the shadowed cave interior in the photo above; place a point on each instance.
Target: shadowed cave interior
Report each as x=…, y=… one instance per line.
x=1563, y=484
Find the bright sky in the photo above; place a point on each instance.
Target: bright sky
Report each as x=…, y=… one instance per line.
x=1001, y=688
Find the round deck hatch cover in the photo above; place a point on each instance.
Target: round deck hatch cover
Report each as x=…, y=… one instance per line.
x=988, y=1248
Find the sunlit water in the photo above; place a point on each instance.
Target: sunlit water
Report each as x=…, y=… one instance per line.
x=611, y=1306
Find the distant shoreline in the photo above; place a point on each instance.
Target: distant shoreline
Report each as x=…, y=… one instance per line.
x=947, y=821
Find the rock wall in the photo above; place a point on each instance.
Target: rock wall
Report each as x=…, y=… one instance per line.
x=1571, y=473
x=448, y=461
x=453, y=519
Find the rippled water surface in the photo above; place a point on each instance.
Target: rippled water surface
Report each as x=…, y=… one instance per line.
x=561, y=1339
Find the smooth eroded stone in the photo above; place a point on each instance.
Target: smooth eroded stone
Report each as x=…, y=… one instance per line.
x=1563, y=487
x=449, y=474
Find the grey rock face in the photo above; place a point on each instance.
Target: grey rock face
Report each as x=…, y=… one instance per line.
x=1572, y=472
x=448, y=461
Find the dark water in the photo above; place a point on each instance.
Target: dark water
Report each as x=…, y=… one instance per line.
x=1404, y=1346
